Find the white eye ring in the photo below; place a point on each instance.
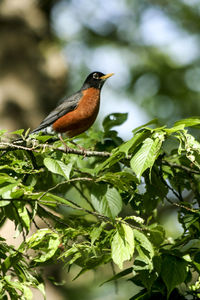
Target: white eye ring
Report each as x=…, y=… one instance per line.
x=95, y=76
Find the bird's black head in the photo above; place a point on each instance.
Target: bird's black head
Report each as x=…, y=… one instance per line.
x=95, y=80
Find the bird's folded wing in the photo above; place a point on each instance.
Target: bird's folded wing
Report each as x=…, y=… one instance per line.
x=66, y=106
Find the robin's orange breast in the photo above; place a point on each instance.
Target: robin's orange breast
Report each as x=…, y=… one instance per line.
x=80, y=119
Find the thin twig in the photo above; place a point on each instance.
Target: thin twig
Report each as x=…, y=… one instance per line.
x=167, y=185
x=184, y=168
x=64, y=182
x=181, y=206
x=78, y=207
x=98, y=215
x=54, y=217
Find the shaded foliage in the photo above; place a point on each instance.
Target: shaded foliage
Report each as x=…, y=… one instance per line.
x=96, y=212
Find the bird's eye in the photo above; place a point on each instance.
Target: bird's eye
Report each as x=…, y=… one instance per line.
x=95, y=76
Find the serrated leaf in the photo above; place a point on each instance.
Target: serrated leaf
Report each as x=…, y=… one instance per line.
x=146, y=155
x=114, y=119
x=122, y=246
x=106, y=201
x=58, y=167
x=173, y=272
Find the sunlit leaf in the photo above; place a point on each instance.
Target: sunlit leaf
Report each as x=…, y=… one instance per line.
x=58, y=167
x=108, y=203
x=122, y=245
x=146, y=155
x=188, y=122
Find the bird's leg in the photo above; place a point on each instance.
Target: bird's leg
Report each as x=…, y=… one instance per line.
x=77, y=145
x=72, y=142
x=63, y=142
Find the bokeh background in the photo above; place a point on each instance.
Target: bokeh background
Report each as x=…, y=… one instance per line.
x=47, y=48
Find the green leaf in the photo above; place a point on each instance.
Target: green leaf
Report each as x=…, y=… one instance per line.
x=189, y=122
x=124, y=181
x=16, y=285
x=147, y=154
x=144, y=248
x=132, y=143
x=4, y=203
x=23, y=214
x=173, y=272
x=174, y=129
x=11, y=260
x=106, y=201
x=58, y=167
x=113, y=159
x=6, y=178
x=6, y=191
x=41, y=138
x=191, y=146
x=114, y=119
x=145, y=278
x=157, y=234
x=19, y=132
x=142, y=295
x=2, y=131
x=119, y=275
x=154, y=121
x=46, y=242
x=122, y=246
x=96, y=232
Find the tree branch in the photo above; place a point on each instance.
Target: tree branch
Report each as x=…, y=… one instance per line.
x=4, y=146
x=64, y=182
x=184, y=168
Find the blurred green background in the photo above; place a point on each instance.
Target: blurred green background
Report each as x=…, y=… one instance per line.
x=48, y=47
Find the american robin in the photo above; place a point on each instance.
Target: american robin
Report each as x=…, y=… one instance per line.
x=77, y=113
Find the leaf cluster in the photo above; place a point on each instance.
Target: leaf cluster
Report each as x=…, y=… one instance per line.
x=103, y=205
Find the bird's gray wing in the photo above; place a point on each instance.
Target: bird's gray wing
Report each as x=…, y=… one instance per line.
x=66, y=106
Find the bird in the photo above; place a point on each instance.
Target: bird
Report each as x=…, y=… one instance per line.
x=77, y=113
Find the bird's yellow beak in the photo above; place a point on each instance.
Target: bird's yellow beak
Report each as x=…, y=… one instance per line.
x=106, y=76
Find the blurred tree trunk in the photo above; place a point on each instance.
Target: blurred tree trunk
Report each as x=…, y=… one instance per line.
x=32, y=69
x=32, y=73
